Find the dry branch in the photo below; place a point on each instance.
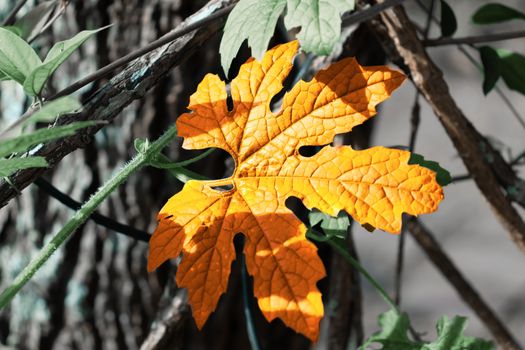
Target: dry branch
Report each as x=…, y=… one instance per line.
x=443, y=263
x=484, y=163
x=131, y=84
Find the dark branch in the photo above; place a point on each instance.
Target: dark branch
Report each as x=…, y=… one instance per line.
x=11, y=17
x=471, y=40
x=129, y=85
x=467, y=292
x=401, y=41
x=96, y=217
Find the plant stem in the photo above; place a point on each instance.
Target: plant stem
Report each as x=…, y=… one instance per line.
x=250, y=325
x=83, y=214
x=350, y=259
x=11, y=17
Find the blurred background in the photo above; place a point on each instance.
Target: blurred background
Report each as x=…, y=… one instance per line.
x=95, y=293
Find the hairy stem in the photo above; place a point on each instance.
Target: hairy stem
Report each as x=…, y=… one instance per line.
x=83, y=214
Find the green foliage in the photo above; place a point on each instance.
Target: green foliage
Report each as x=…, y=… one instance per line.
x=512, y=68
x=449, y=24
x=395, y=326
x=24, y=142
x=255, y=20
x=320, y=22
x=491, y=67
x=17, y=58
x=56, y=56
x=332, y=226
x=495, y=13
x=10, y=166
x=442, y=175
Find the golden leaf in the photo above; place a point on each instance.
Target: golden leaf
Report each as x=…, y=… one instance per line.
x=374, y=186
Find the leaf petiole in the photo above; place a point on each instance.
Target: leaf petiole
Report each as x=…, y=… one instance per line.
x=335, y=243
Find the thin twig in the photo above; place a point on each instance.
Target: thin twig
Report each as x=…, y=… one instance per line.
x=11, y=17
x=459, y=178
x=501, y=94
x=478, y=39
x=368, y=13
x=354, y=18
x=248, y=307
x=96, y=217
x=166, y=39
x=414, y=128
x=396, y=30
x=131, y=84
x=49, y=23
x=466, y=291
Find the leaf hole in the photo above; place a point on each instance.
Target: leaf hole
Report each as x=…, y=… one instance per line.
x=224, y=188
x=309, y=151
x=298, y=208
x=229, y=103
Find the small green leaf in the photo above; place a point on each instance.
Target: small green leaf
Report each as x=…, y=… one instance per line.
x=393, y=333
x=491, y=67
x=395, y=326
x=254, y=20
x=450, y=336
x=449, y=24
x=320, y=22
x=54, y=109
x=56, y=56
x=24, y=142
x=33, y=21
x=512, y=68
x=17, y=58
x=332, y=226
x=495, y=13
x=10, y=166
x=442, y=175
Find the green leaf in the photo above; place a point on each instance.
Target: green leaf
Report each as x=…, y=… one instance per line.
x=450, y=336
x=14, y=30
x=24, y=142
x=491, y=67
x=395, y=326
x=33, y=21
x=495, y=13
x=17, y=58
x=393, y=333
x=320, y=22
x=56, y=56
x=10, y=166
x=254, y=20
x=449, y=24
x=54, y=109
x=332, y=226
x=512, y=68
x=442, y=175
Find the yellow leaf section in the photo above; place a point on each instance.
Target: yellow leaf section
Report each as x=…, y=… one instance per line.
x=375, y=186
x=201, y=223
